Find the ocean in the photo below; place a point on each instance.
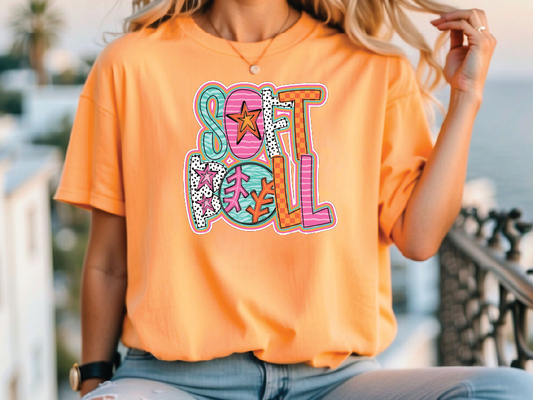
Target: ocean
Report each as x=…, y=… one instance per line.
x=501, y=148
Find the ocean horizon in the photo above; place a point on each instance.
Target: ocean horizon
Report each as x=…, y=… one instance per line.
x=501, y=148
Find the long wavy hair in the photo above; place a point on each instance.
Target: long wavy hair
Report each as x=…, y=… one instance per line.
x=368, y=23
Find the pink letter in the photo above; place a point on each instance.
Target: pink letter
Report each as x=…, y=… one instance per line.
x=243, y=123
x=309, y=196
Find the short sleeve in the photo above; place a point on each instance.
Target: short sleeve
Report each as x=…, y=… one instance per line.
x=406, y=146
x=92, y=172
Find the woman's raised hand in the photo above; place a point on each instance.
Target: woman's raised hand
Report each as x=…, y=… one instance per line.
x=467, y=65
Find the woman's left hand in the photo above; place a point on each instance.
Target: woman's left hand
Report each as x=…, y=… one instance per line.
x=467, y=65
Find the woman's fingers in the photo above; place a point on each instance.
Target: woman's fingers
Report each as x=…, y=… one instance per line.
x=479, y=19
x=483, y=39
x=467, y=66
x=460, y=25
x=457, y=39
x=474, y=16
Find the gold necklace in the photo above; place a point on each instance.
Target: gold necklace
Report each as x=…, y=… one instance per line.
x=254, y=68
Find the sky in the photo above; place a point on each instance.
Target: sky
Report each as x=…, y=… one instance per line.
x=510, y=21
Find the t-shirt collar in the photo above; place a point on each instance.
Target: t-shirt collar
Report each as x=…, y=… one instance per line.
x=295, y=34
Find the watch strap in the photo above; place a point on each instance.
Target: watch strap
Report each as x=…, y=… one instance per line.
x=99, y=369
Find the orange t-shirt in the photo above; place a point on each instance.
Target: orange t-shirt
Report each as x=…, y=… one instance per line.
x=259, y=207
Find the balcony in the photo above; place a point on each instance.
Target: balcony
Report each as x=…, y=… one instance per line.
x=486, y=293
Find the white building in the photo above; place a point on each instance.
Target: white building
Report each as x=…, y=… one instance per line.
x=44, y=107
x=27, y=324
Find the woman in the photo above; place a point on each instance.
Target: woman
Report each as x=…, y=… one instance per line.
x=223, y=257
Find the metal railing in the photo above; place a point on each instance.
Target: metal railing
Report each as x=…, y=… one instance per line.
x=485, y=292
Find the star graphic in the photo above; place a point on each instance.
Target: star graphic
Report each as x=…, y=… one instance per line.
x=207, y=204
x=206, y=177
x=247, y=120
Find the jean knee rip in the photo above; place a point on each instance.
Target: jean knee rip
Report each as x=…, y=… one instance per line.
x=95, y=396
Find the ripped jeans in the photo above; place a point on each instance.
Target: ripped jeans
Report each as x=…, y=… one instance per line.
x=242, y=376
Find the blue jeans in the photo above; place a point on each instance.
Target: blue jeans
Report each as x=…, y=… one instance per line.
x=242, y=376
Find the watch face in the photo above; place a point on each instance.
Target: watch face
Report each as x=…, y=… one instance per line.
x=74, y=377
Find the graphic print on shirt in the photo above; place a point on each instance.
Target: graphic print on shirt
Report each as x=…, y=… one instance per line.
x=254, y=164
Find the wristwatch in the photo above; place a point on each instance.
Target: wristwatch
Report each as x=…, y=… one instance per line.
x=97, y=369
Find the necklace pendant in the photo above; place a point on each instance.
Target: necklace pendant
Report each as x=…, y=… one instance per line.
x=254, y=69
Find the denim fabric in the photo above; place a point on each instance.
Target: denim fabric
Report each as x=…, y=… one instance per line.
x=242, y=376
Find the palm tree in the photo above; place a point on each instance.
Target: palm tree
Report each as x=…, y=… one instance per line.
x=35, y=27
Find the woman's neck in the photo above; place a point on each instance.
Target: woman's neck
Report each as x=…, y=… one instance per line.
x=247, y=20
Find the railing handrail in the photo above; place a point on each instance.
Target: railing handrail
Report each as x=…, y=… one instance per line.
x=511, y=276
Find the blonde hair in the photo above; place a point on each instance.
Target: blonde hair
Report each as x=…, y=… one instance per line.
x=369, y=23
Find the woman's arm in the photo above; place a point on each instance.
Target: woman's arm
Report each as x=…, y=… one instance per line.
x=103, y=290
x=436, y=199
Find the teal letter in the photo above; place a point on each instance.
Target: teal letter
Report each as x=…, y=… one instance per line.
x=215, y=130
